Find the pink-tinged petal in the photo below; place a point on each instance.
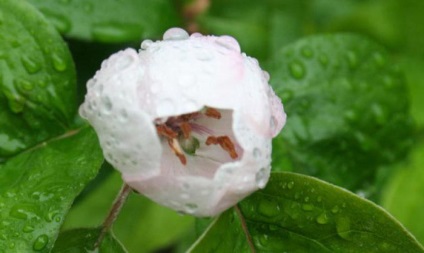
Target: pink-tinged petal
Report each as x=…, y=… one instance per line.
x=157, y=88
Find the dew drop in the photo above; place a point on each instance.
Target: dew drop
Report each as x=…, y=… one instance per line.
x=322, y=218
x=261, y=177
x=290, y=185
x=323, y=59
x=61, y=23
x=175, y=34
x=266, y=76
x=307, y=52
x=352, y=59
x=257, y=153
x=297, y=69
x=307, y=207
x=17, y=104
x=107, y=104
x=23, y=212
x=379, y=59
x=40, y=243
x=123, y=61
x=28, y=229
x=229, y=43
x=58, y=63
x=268, y=208
x=146, y=44
x=30, y=65
x=191, y=208
x=25, y=85
x=343, y=227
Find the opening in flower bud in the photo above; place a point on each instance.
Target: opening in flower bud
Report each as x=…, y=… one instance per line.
x=189, y=133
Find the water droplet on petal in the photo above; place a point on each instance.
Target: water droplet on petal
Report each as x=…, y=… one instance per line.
x=257, y=153
x=191, y=208
x=175, y=34
x=40, y=243
x=107, y=104
x=229, y=43
x=196, y=35
x=266, y=75
x=146, y=44
x=261, y=177
x=297, y=69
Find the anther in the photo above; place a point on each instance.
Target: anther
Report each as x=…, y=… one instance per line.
x=225, y=143
x=166, y=131
x=185, y=129
x=176, y=149
x=212, y=113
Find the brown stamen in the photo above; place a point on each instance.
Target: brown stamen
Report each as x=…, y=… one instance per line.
x=186, y=129
x=225, y=143
x=176, y=149
x=166, y=131
x=212, y=113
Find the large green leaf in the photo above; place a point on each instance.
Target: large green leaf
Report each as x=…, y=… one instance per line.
x=347, y=110
x=37, y=79
x=403, y=196
x=37, y=187
x=110, y=20
x=297, y=213
x=82, y=241
x=142, y=225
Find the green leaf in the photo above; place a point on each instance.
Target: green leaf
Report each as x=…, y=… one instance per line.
x=82, y=240
x=297, y=213
x=37, y=79
x=403, y=195
x=110, y=20
x=37, y=187
x=154, y=226
x=347, y=110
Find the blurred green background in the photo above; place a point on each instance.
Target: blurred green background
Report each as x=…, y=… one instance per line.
x=96, y=29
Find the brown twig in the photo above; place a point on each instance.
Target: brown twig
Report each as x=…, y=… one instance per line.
x=245, y=229
x=113, y=213
x=191, y=12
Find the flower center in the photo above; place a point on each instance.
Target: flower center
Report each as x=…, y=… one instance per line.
x=178, y=133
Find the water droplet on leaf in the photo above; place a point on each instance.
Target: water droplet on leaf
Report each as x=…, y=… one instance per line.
x=297, y=69
x=30, y=65
x=40, y=243
x=58, y=63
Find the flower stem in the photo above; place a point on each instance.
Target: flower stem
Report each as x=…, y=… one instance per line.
x=245, y=229
x=113, y=213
